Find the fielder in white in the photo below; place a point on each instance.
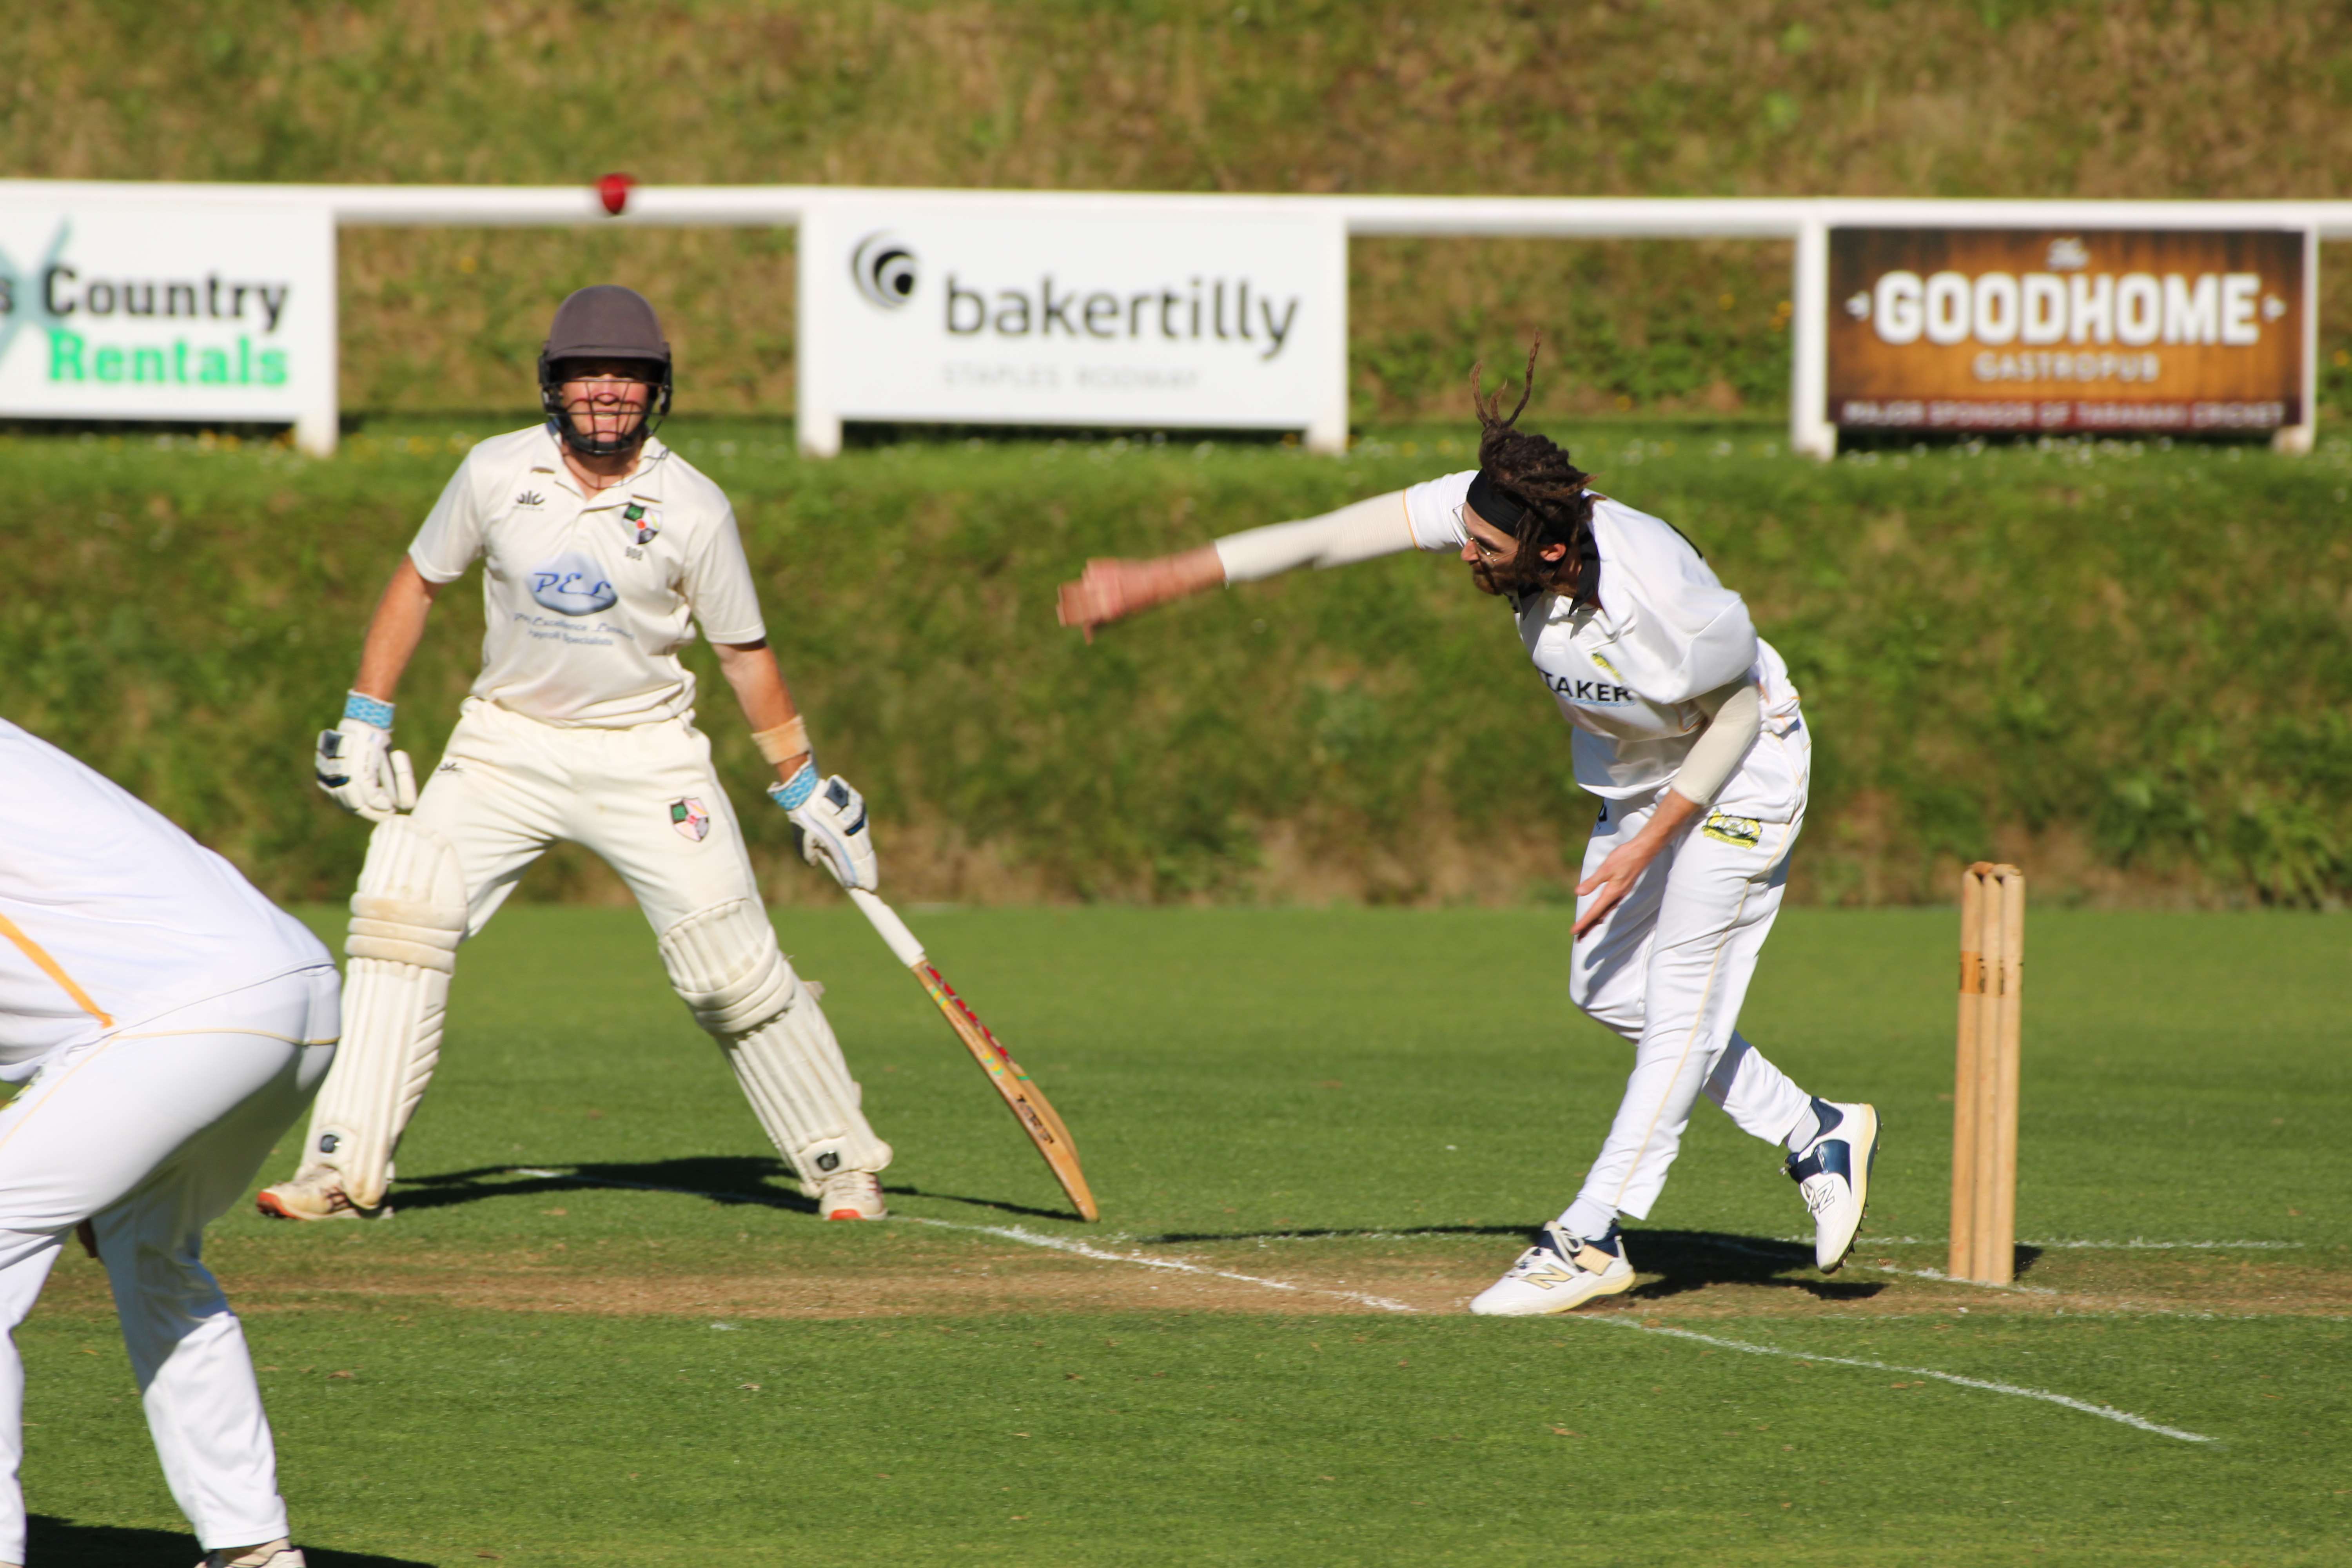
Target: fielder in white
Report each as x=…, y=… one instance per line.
x=1684, y=724
x=601, y=550
x=171, y=1024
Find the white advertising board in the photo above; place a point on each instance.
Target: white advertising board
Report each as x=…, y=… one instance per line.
x=1104, y=311
x=202, y=309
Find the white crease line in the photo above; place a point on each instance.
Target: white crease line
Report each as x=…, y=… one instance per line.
x=2104, y=1412
x=1057, y=1243
x=1079, y=1249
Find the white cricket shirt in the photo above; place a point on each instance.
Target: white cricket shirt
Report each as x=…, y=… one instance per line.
x=109, y=915
x=589, y=598
x=1626, y=671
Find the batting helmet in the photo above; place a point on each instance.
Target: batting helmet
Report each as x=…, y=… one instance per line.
x=604, y=321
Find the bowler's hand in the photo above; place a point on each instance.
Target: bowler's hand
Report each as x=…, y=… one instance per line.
x=1106, y=591
x=1616, y=879
x=1111, y=589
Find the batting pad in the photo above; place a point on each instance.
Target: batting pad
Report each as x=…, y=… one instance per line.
x=407, y=918
x=725, y=963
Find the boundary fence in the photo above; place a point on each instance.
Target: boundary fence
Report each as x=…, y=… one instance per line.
x=1805, y=222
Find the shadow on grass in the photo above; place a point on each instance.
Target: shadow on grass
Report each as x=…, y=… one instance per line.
x=61, y=1543
x=719, y=1179
x=1690, y=1259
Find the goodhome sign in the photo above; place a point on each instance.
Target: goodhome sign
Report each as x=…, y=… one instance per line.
x=2155, y=331
x=1132, y=311
x=142, y=310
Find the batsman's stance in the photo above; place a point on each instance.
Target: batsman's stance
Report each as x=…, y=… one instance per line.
x=597, y=543
x=1685, y=725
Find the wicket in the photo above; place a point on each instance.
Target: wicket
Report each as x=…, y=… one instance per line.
x=1984, y=1094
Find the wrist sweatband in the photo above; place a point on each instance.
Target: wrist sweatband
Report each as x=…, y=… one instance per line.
x=784, y=742
x=794, y=792
x=368, y=709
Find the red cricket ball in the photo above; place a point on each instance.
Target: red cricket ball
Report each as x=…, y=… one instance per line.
x=614, y=190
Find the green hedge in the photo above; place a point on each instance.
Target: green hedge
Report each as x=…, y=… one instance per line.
x=2124, y=665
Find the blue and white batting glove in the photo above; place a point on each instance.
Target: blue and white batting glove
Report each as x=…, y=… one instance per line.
x=357, y=766
x=831, y=817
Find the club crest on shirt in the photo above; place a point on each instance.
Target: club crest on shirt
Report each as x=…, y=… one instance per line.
x=640, y=521
x=690, y=817
x=531, y=499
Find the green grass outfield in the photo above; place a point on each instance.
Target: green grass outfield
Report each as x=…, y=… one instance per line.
x=567, y=1367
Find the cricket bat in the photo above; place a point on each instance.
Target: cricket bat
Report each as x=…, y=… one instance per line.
x=1022, y=1098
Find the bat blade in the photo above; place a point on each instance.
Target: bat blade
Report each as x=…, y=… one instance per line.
x=1022, y=1096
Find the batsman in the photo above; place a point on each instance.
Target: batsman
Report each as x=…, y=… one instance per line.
x=602, y=550
x=1685, y=725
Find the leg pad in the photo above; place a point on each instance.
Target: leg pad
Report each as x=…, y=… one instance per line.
x=725, y=964
x=407, y=918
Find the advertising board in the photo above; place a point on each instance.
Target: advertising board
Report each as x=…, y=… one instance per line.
x=2145, y=331
x=157, y=309
x=1109, y=311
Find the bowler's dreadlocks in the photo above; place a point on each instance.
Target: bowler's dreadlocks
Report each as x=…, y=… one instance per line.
x=1535, y=471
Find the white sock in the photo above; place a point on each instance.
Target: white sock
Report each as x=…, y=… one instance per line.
x=1808, y=1127
x=1588, y=1219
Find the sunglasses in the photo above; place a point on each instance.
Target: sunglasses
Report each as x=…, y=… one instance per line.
x=1485, y=551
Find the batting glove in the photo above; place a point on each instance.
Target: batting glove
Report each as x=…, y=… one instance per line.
x=357, y=766
x=831, y=818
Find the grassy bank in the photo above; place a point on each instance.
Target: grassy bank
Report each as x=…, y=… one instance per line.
x=2124, y=663
x=2019, y=98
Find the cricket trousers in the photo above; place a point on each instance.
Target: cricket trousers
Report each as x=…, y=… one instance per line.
x=152, y=1133
x=1667, y=969
x=643, y=799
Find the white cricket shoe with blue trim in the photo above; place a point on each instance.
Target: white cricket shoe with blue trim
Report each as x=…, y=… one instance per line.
x=1832, y=1172
x=1559, y=1274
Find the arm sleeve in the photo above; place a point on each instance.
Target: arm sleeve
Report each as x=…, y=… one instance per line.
x=1716, y=755
x=452, y=535
x=1357, y=533
x=719, y=588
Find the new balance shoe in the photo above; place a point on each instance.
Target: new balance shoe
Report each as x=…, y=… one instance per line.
x=1832, y=1172
x=316, y=1192
x=851, y=1194
x=1560, y=1273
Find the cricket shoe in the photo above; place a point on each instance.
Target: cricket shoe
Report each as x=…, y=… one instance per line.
x=315, y=1193
x=269, y=1554
x=850, y=1194
x=1832, y=1172
x=1560, y=1273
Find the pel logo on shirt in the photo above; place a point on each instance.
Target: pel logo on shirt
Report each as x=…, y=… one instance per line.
x=572, y=585
x=1594, y=691
x=531, y=498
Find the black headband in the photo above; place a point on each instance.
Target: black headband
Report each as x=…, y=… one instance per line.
x=1496, y=506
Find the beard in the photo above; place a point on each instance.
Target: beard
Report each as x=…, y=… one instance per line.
x=1509, y=580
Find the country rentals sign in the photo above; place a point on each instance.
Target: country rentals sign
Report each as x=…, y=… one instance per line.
x=1104, y=311
x=2173, y=332
x=199, y=309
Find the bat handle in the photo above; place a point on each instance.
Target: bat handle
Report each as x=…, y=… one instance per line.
x=892, y=930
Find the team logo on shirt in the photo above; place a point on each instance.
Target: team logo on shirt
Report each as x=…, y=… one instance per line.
x=690, y=817
x=643, y=524
x=530, y=499
x=1740, y=832
x=572, y=585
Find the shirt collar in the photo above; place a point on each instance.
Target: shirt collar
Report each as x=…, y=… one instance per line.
x=639, y=479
